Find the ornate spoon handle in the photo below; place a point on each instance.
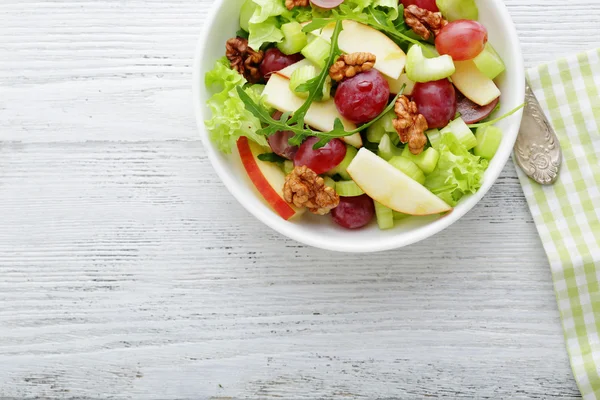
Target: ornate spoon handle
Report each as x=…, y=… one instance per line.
x=537, y=150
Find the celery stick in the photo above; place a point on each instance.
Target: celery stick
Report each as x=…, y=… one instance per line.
x=398, y=216
x=489, y=63
x=426, y=161
x=434, y=137
x=461, y=132
x=330, y=182
x=385, y=216
x=387, y=150
x=348, y=189
x=384, y=125
x=454, y=10
x=288, y=166
x=294, y=40
x=409, y=168
x=422, y=69
x=489, y=139
x=317, y=51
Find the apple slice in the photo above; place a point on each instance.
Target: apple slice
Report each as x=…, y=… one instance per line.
x=267, y=177
x=320, y=115
x=356, y=37
x=396, y=85
x=392, y=188
x=474, y=84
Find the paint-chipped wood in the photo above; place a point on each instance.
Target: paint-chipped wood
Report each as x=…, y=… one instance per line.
x=129, y=272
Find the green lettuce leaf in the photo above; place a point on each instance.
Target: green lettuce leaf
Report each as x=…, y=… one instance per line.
x=266, y=9
x=264, y=32
x=230, y=119
x=458, y=172
x=298, y=14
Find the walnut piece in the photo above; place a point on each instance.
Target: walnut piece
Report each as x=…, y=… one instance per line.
x=304, y=188
x=410, y=125
x=290, y=4
x=349, y=65
x=244, y=59
x=423, y=22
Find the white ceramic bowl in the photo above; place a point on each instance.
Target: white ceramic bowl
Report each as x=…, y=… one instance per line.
x=321, y=232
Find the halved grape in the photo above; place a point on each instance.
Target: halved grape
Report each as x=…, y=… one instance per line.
x=426, y=4
x=463, y=39
x=275, y=60
x=279, y=142
x=472, y=113
x=362, y=98
x=323, y=159
x=354, y=212
x=327, y=4
x=436, y=100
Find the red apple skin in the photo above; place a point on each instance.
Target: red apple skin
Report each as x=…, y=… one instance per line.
x=261, y=183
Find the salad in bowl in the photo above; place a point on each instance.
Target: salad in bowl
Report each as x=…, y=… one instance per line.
x=359, y=112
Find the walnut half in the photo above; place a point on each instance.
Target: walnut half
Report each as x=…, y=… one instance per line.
x=244, y=59
x=423, y=22
x=349, y=65
x=290, y=4
x=304, y=188
x=410, y=125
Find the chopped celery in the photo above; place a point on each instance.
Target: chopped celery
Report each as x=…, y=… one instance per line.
x=488, y=141
x=317, y=51
x=305, y=74
x=387, y=150
x=294, y=40
x=454, y=10
x=330, y=182
x=340, y=170
x=429, y=50
x=385, y=216
x=426, y=161
x=300, y=76
x=288, y=166
x=489, y=63
x=409, y=168
x=384, y=125
x=434, y=137
x=246, y=13
x=395, y=138
x=462, y=132
x=422, y=69
x=348, y=189
x=399, y=216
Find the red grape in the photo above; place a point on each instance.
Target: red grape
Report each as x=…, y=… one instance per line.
x=472, y=113
x=436, y=100
x=279, y=142
x=426, y=4
x=462, y=40
x=274, y=60
x=327, y=4
x=362, y=98
x=354, y=212
x=323, y=159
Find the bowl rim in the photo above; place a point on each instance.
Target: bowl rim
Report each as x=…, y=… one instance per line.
x=392, y=242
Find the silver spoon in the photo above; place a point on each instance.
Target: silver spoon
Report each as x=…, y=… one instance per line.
x=537, y=150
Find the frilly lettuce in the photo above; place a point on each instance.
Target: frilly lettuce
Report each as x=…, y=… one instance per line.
x=230, y=119
x=390, y=6
x=264, y=32
x=458, y=172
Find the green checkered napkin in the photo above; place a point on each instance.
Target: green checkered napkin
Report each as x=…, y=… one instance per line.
x=567, y=214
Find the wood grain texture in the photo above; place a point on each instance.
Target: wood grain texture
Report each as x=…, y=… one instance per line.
x=129, y=272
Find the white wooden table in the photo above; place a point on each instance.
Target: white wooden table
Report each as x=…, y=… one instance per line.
x=128, y=271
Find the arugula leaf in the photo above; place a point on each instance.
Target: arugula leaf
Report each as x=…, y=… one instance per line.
x=496, y=120
x=271, y=157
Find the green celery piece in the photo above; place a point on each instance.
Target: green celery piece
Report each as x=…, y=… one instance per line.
x=489, y=62
x=409, y=168
x=422, y=69
x=330, y=182
x=385, y=125
x=348, y=189
x=434, y=137
x=489, y=139
x=426, y=161
x=386, y=149
x=294, y=40
x=462, y=132
x=317, y=51
x=385, y=216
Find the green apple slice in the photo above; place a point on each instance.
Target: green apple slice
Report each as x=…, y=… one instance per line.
x=422, y=69
x=393, y=188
